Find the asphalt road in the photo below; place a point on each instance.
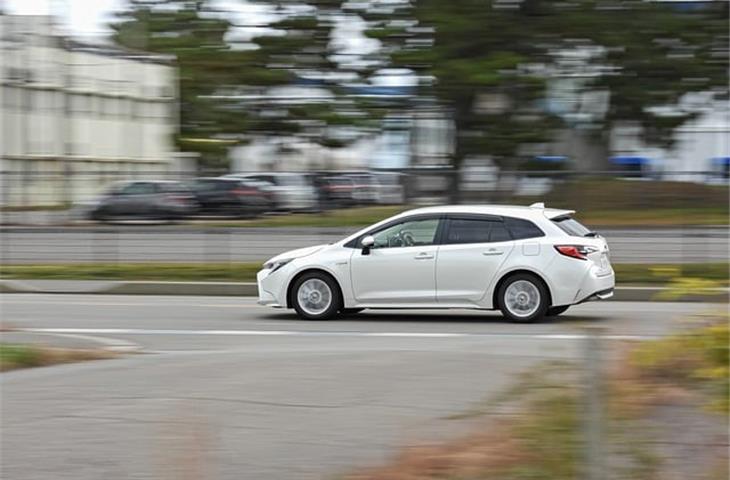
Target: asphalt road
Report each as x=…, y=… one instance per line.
x=227, y=389
x=198, y=244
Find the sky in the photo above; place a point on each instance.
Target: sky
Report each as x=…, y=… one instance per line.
x=81, y=17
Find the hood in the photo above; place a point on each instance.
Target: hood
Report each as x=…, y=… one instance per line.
x=298, y=253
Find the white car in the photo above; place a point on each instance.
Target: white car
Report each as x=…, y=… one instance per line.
x=528, y=262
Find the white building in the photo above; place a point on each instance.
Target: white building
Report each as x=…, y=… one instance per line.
x=76, y=116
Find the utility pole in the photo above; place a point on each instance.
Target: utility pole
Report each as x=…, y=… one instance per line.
x=593, y=404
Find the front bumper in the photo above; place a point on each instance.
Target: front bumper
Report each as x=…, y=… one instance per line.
x=269, y=286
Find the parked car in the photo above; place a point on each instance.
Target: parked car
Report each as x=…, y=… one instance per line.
x=365, y=188
x=528, y=262
x=145, y=199
x=389, y=188
x=291, y=191
x=230, y=197
x=334, y=191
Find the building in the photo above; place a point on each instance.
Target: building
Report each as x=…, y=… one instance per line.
x=77, y=116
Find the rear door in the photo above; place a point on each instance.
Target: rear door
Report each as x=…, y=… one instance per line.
x=472, y=250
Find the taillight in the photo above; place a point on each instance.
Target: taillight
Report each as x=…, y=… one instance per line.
x=575, y=251
x=244, y=191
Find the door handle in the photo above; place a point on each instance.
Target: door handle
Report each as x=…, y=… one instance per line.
x=423, y=256
x=492, y=252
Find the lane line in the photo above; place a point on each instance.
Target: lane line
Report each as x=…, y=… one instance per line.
x=296, y=333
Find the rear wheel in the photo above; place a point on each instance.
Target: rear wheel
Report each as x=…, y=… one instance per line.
x=316, y=296
x=523, y=298
x=555, y=311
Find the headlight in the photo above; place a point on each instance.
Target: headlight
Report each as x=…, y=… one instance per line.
x=276, y=265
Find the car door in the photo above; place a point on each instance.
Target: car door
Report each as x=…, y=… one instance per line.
x=472, y=251
x=127, y=200
x=399, y=269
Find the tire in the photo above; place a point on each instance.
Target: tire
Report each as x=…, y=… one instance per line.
x=523, y=298
x=555, y=311
x=316, y=296
x=350, y=311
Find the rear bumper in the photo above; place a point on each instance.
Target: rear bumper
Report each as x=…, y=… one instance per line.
x=595, y=286
x=600, y=295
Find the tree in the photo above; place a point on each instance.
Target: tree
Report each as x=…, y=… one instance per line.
x=193, y=33
x=469, y=51
x=226, y=89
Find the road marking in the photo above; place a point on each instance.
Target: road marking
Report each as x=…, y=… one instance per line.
x=300, y=333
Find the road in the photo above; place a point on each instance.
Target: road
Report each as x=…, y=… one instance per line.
x=227, y=389
x=185, y=243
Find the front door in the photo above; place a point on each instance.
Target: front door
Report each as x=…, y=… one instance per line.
x=400, y=267
x=472, y=250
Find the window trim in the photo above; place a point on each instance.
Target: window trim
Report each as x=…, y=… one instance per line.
x=355, y=242
x=471, y=216
x=542, y=232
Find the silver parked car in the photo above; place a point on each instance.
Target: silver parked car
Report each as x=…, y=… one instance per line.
x=290, y=191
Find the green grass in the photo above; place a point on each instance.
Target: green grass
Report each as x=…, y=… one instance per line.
x=639, y=274
x=352, y=217
x=15, y=356
x=655, y=217
x=542, y=436
x=173, y=272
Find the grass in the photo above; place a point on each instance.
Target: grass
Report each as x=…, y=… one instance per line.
x=15, y=356
x=173, y=272
x=655, y=217
x=698, y=360
x=352, y=217
x=543, y=436
x=638, y=274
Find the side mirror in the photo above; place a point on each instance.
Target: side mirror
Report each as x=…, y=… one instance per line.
x=367, y=244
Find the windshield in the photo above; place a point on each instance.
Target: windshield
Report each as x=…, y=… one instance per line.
x=572, y=227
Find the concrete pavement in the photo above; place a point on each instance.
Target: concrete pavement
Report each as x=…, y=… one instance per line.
x=645, y=293
x=232, y=390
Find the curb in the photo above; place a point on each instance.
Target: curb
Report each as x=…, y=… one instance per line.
x=236, y=289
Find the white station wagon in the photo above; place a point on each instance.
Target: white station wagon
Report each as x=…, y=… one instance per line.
x=528, y=262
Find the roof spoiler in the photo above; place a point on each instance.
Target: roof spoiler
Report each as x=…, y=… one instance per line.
x=552, y=213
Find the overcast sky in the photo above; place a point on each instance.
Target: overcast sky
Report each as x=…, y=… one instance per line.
x=81, y=17
x=90, y=17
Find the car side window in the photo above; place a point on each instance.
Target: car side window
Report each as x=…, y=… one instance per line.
x=407, y=234
x=521, y=229
x=499, y=233
x=468, y=230
x=138, y=188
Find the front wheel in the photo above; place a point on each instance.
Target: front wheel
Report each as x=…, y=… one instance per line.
x=316, y=296
x=523, y=298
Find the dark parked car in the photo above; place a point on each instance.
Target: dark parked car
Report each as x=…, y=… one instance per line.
x=231, y=197
x=334, y=191
x=145, y=199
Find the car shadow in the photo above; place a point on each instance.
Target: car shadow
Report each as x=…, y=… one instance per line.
x=404, y=316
